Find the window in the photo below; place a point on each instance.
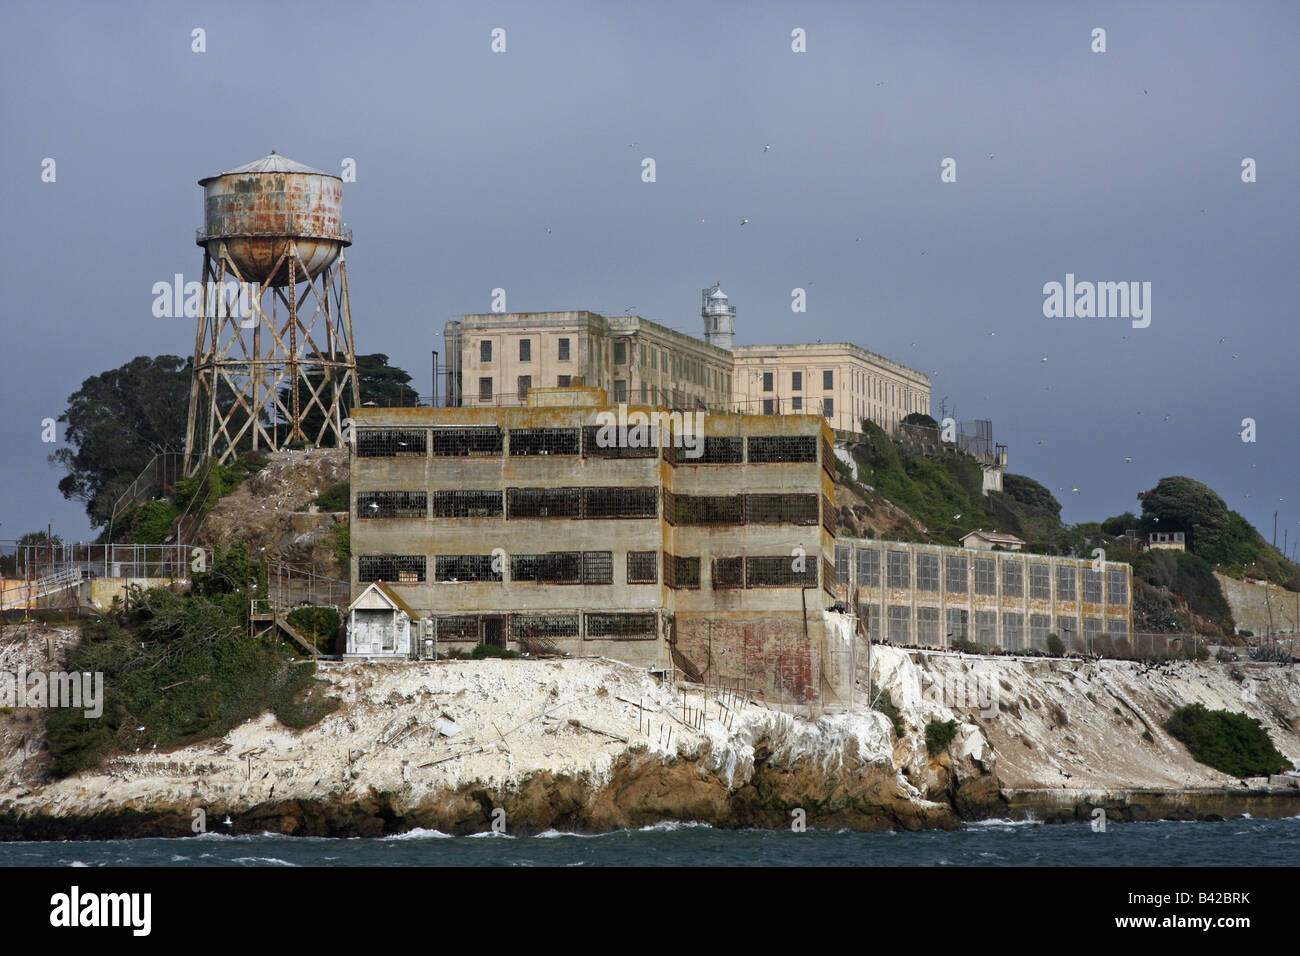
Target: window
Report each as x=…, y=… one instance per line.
x=525, y=383
x=554, y=567
x=796, y=381
x=620, y=353
x=927, y=626
x=1013, y=579
x=1117, y=627
x=986, y=581
x=619, y=502
x=543, y=441
x=954, y=581
x=720, y=451
x=642, y=567
x=828, y=407
x=391, y=443
x=620, y=391
x=773, y=448
x=767, y=381
x=796, y=404
x=927, y=572
x=525, y=350
x=1040, y=625
x=1091, y=629
x=783, y=509
x=563, y=350
x=870, y=615
x=1117, y=585
x=1067, y=629
x=958, y=622
x=400, y=568
x=621, y=627
x=643, y=353
x=728, y=573
x=466, y=504
x=485, y=351
x=1065, y=583
x=1013, y=631
x=391, y=504
x=563, y=380
x=899, y=570
x=900, y=625
x=654, y=358
x=986, y=627
x=465, y=567
x=828, y=380
x=1091, y=586
x=681, y=573
x=467, y=442
x=704, y=509
x=767, y=406
x=485, y=389
x=1040, y=582
x=842, y=552
x=779, y=571
x=868, y=568
x=543, y=502
x=598, y=567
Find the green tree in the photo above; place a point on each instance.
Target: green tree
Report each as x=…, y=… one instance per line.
x=378, y=382
x=116, y=423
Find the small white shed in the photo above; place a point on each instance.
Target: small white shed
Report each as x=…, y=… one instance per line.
x=380, y=624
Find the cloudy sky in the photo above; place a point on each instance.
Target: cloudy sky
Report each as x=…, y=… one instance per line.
x=1117, y=166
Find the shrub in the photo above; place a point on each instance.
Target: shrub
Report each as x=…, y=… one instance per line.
x=319, y=624
x=491, y=650
x=885, y=705
x=1055, y=647
x=337, y=497
x=939, y=734
x=1232, y=743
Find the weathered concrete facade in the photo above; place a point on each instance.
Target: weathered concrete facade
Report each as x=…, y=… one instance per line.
x=703, y=545
x=935, y=596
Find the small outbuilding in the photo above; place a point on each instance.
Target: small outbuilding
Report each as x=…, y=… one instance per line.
x=380, y=624
x=987, y=540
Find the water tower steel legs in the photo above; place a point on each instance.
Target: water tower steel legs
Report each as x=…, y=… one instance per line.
x=234, y=397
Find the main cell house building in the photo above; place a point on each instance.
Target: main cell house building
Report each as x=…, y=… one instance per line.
x=701, y=542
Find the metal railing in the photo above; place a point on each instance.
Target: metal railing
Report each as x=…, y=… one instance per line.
x=101, y=560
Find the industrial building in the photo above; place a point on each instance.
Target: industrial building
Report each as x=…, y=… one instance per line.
x=494, y=358
x=697, y=541
x=936, y=596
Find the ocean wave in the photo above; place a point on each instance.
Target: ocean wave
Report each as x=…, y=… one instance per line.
x=419, y=833
x=261, y=860
x=1004, y=822
x=668, y=826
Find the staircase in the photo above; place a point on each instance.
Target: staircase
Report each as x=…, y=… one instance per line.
x=44, y=586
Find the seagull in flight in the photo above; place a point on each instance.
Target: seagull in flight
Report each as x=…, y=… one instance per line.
x=744, y=221
x=766, y=147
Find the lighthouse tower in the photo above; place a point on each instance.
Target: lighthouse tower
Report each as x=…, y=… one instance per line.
x=719, y=317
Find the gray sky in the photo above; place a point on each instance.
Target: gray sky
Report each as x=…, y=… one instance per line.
x=1115, y=166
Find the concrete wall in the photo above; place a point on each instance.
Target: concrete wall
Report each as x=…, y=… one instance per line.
x=1252, y=602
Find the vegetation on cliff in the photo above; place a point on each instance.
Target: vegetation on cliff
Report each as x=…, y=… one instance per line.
x=1232, y=743
x=179, y=668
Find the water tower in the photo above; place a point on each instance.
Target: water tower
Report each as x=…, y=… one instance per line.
x=719, y=317
x=274, y=361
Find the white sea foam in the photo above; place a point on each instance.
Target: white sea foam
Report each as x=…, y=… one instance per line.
x=419, y=833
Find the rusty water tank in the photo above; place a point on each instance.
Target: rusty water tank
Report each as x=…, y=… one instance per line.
x=258, y=208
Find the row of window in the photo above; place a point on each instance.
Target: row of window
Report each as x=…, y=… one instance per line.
x=590, y=567
x=525, y=350
x=596, y=503
x=529, y=628
x=955, y=579
x=796, y=381
x=1012, y=632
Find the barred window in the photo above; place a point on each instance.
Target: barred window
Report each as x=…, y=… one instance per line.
x=954, y=580
x=401, y=568
x=543, y=441
x=986, y=581
x=599, y=441
x=620, y=502
x=466, y=442
x=782, y=509
x=391, y=442
x=543, y=502
x=1067, y=627
x=927, y=625
x=927, y=572
x=1117, y=585
x=958, y=624
x=466, y=504
x=622, y=627
x=771, y=448
x=525, y=350
x=728, y=573
x=530, y=627
x=870, y=614
x=705, y=509
x=986, y=627
x=1040, y=625
x=900, y=625
x=1040, y=581
x=842, y=552
x=1092, y=628
x=719, y=451
x=1117, y=626
x=1091, y=586
x=642, y=567
x=464, y=567
x=1013, y=578
x=562, y=350
x=485, y=389
x=1013, y=631
x=868, y=568
x=552, y=567
x=681, y=573
x=1065, y=582
x=780, y=571
x=898, y=569
x=598, y=567
x=391, y=504
x=485, y=350
x=458, y=627
x=523, y=384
